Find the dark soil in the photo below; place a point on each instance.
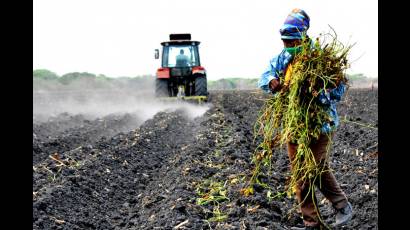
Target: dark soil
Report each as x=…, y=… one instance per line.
x=111, y=173
x=65, y=132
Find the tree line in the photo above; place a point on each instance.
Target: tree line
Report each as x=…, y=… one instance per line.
x=43, y=78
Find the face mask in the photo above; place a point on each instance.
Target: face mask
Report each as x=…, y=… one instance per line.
x=294, y=50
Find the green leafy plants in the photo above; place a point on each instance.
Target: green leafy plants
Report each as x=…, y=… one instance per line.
x=212, y=193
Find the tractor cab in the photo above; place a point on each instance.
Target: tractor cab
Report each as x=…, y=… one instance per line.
x=181, y=74
x=180, y=54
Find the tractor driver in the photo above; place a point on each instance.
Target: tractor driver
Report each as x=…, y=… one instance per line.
x=182, y=59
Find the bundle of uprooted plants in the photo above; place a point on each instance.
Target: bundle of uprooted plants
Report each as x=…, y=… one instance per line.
x=295, y=114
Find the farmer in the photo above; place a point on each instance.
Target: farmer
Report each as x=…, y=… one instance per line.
x=181, y=59
x=294, y=28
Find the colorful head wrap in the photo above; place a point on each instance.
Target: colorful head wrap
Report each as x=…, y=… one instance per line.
x=296, y=25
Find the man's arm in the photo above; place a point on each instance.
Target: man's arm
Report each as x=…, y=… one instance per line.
x=269, y=81
x=266, y=78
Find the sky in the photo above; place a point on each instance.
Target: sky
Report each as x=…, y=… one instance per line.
x=238, y=38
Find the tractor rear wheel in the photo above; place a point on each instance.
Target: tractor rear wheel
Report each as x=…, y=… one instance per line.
x=201, y=86
x=161, y=87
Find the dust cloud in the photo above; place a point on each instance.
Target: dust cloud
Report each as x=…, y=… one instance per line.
x=93, y=101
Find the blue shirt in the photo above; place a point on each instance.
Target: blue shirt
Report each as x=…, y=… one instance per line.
x=277, y=66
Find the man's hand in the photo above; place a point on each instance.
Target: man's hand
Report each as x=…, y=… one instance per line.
x=274, y=85
x=337, y=82
x=334, y=86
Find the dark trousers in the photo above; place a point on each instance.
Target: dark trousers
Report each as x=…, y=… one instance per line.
x=326, y=183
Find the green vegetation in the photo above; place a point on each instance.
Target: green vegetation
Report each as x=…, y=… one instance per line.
x=233, y=83
x=44, y=74
x=213, y=193
x=47, y=80
x=355, y=77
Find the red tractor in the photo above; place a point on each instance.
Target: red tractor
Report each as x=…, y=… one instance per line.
x=181, y=74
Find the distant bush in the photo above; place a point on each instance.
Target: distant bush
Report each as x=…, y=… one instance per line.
x=233, y=83
x=361, y=81
x=46, y=80
x=45, y=74
x=75, y=76
x=354, y=77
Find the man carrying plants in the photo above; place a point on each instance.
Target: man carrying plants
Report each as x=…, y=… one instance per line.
x=306, y=80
